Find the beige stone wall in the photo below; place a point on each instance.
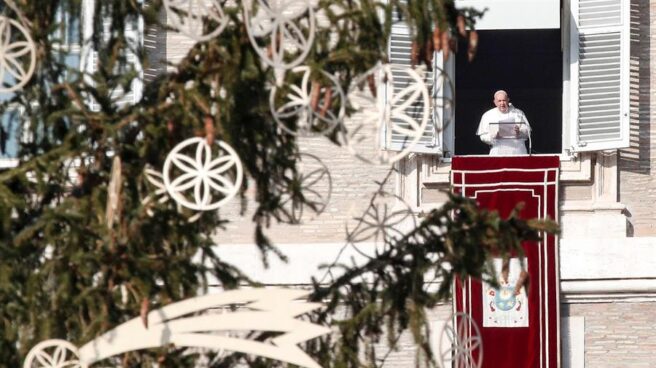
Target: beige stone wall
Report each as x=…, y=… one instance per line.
x=637, y=164
x=617, y=334
x=406, y=353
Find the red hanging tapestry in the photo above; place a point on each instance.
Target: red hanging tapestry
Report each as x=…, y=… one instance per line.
x=518, y=329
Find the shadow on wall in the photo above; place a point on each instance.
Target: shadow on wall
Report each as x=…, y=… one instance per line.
x=636, y=158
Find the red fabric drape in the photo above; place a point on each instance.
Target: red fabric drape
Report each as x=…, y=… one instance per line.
x=500, y=183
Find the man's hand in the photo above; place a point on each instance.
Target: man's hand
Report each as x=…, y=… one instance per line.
x=516, y=130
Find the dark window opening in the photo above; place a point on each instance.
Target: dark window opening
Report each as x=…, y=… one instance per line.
x=525, y=63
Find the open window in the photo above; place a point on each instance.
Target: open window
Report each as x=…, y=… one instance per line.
x=527, y=63
x=564, y=63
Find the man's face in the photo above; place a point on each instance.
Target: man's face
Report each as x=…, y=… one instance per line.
x=501, y=102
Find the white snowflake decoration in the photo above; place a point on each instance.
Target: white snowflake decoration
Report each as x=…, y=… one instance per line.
x=188, y=17
x=199, y=181
x=315, y=183
x=406, y=89
x=464, y=348
x=281, y=31
x=16, y=50
x=384, y=221
x=53, y=354
x=296, y=107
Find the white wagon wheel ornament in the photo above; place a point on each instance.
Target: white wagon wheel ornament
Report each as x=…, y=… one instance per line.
x=53, y=354
x=383, y=221
x=275, y=29
x=14, y=54
x=160, y=194
x=464, y=342
x=407, y=94
x=315, y=182
x=298, y=107
x=199, y=181
x=188, y=17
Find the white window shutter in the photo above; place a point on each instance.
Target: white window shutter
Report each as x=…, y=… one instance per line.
x=134, y=36
x=599, y=62
x=400, y=48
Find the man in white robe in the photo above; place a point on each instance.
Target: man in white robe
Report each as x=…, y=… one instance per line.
x=504, y=112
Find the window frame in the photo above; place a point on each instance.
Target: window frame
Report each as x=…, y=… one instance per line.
x=569, y=121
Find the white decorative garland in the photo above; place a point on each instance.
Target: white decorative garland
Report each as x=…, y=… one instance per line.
x=14, y=53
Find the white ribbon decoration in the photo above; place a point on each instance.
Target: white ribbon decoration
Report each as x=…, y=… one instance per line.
x=188, y=324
